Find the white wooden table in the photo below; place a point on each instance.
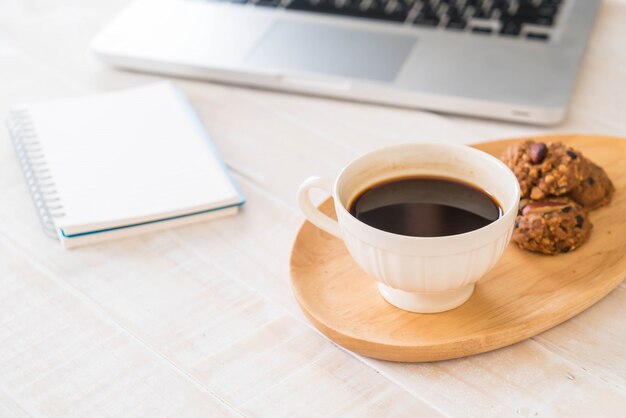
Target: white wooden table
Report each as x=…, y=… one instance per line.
x=200, y=321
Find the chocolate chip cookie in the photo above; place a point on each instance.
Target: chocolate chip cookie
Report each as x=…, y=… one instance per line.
x=594, y=191
x=551, y=226
x=551, y=169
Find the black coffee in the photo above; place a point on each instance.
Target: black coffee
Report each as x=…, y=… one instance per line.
x=425, y=207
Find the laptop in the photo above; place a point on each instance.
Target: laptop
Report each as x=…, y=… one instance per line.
x=513, y=60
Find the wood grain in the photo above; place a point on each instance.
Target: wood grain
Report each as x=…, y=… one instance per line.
x=524, y=295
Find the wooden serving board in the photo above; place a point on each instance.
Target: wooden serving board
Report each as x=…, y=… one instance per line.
x=524, y=295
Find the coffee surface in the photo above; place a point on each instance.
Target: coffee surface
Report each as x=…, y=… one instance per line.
x=425, y=207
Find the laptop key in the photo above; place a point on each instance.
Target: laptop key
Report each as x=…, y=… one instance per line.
x=426, y=20
x=321, y=6
x=537, y=36
x=555, y=3
x=344, y=8
x=511, y=28
x=395, y=10
x=480, y=30
x=267, y=3
x=456, y=17
x=456, y=24
x=371, y=6
x=427, y=17
x=547, y=11
x=537, y=16
x=483, y=13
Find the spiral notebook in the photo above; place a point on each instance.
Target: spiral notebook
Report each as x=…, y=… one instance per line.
x=119, y=164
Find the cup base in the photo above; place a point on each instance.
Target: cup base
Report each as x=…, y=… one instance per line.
x=422, y=302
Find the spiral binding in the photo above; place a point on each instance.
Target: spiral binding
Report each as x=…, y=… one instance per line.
x=35, y=169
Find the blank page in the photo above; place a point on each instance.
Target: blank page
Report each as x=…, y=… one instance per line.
x=129, y=157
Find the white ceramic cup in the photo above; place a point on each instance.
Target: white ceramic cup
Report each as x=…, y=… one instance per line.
x=419, y=274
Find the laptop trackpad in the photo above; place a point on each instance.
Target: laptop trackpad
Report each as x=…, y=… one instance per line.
x=319, y=48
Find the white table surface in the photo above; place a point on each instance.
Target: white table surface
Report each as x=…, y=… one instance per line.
x=201, y=321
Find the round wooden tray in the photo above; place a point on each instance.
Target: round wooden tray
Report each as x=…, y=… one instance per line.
x=525, y=293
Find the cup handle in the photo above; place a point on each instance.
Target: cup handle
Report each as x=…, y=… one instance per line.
x=313, y=214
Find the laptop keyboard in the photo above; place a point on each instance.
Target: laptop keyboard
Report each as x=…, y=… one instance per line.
x=530, y=19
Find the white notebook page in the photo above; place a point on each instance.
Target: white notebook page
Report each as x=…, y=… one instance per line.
x=129, y=157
